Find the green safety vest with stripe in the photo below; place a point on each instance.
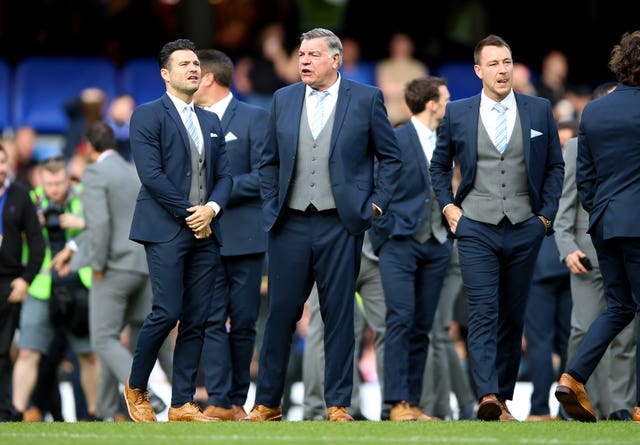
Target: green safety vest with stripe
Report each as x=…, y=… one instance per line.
x=41, y=285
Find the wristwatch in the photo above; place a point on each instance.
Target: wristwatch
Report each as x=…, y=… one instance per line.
x=547, y=222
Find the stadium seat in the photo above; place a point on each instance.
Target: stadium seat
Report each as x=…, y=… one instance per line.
x=141, y=79
x=5, y=95
x=461, y=79
x=44, y=84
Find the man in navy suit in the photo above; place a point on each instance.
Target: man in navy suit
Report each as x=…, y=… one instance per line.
x=319, y=197
x=608, y=182
x=226, y=357
x=179, y=153
x=511, y=165
x=411, y=241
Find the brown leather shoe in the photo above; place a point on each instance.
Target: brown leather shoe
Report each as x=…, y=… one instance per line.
x=219, y=412
x=261, y=413
x=138, y=404
x=401, y=412
x=421, y=416
x=505, y=414
x=489, y=408
x=571, y=394
x=636, y=414
x=189, y=412
x=238, y=412
x=338, y=414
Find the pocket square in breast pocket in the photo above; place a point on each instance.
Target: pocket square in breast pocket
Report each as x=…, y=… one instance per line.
x=214, y=135
x=230, y=137
x=535, y=133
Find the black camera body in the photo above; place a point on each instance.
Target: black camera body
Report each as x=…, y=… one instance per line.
x=52, y=216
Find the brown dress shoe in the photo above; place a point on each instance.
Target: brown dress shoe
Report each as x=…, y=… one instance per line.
x=636, y=414
x=338, y=414
x=261, y=413
x=505, y=414
x=421, y=416
x=489, y=408
x=571, y=394
x=401, y=412
x=138, y=404
x=219, y=412
x=189, y=412
x=238, y=412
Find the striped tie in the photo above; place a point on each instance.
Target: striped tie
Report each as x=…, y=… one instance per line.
x=501, y=127
x=191, y=128
x=317, y=119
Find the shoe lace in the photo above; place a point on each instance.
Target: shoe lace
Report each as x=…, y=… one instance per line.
x=141, y=395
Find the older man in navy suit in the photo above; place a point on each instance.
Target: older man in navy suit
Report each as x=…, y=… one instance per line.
x=608, y=181
x=317, y=184
x=511, y=164
x=179, y=153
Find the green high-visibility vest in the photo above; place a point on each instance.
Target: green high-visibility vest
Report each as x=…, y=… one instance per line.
x=41, y=285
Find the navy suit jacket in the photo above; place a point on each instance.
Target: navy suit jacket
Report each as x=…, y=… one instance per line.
x=361, y=130
x=410, y=203
x=160, y=147
x=458, y=140
x=607, y=174
x=244, y=127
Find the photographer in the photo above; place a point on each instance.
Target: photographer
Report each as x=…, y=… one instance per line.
x=56, y=300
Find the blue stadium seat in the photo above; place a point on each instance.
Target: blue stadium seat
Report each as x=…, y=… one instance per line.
x=5, y=95
x=141, y=79
x=44, y=84
x=461, y=79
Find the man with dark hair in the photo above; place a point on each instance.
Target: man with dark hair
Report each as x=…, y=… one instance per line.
x=179, y=154
x=608, y=182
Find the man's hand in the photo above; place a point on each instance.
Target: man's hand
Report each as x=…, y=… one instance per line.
x=453, y=213
x=62, y=262
x=71, y=221
x=18, y=290
x=204, y=233
x=97, y=276
x=200, y=218
x=572, y=261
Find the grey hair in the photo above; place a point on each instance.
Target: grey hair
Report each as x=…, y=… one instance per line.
x=332, y=40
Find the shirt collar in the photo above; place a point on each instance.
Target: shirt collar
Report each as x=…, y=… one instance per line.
x=509, y=102
x=221, y=106
x=333, y=89
x=179, y=103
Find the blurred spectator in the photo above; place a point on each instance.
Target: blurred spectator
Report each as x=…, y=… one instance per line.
x=25, y=143
x=271, y=67
x=393, y=73
x=553, y=76
x=522, y=80
x=352, y=66
x=82, y=111
x=118, y=117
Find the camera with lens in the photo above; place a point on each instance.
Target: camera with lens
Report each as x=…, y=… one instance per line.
x=52, y=216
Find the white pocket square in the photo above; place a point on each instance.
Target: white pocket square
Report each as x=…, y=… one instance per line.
x=535, y=133
x=230, y=137
x=214, y=135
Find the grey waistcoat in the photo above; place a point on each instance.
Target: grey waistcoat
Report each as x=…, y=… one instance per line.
x=501, y=186
x=311, y=183
x=432, y=225
x=198, y=189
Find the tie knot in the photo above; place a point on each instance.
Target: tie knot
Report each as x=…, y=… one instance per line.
x=321, y=94
x=501, y=109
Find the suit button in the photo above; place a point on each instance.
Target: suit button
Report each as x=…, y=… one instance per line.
x=188, y=173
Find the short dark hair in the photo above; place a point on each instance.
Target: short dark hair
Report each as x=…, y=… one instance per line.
x=490, y=40
x=171, y=47
x=218, y=63
x=421, y=90
x=625, y=59
x=101, y=136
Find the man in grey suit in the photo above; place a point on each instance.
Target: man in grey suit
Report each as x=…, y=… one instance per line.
x=120, y=293
x=611, y=388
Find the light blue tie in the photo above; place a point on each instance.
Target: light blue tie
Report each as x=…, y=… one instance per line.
x=317, y=118
x=191, y=128
x=501, y=127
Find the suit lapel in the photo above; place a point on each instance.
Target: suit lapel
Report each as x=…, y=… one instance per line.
x=175, y=115
x=342, y=105
x=525, y=123
x=418, y=152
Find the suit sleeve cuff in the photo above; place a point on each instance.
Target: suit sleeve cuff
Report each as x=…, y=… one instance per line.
x=214, y=205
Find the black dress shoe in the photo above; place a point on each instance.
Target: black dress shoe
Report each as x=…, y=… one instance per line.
x=621, y=414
